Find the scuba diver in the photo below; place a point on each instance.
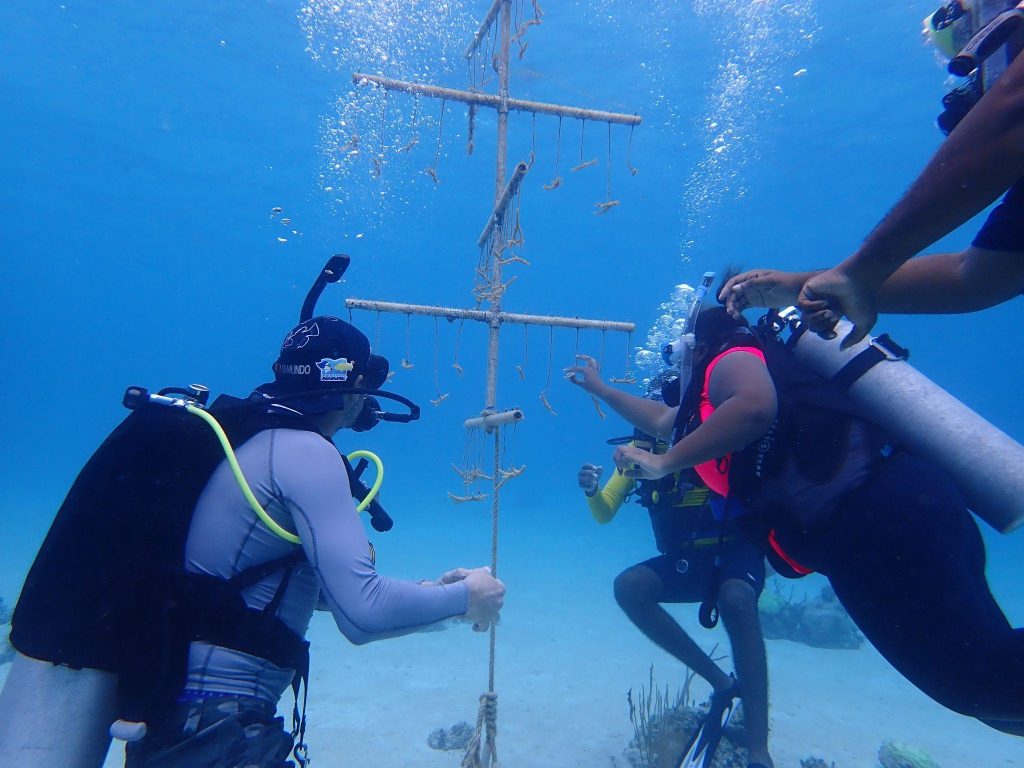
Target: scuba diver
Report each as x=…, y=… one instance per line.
x=176, y=585
x=982, y=158
x=889, y=530
x=704, y=559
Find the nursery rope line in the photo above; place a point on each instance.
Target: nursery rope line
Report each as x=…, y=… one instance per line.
x=497, y=237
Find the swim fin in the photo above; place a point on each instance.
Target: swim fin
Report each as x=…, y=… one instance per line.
x=701, y=750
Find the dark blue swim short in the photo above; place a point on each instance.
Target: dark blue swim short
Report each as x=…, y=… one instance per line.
x=1004, y=228
x=686, y=573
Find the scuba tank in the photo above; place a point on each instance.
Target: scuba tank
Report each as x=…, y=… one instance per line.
x=983, y=461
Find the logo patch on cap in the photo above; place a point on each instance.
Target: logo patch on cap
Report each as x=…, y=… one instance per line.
x=334, y=369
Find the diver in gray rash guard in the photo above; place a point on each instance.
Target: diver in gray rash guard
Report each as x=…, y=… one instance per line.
x=300, y=480
x=174, y=589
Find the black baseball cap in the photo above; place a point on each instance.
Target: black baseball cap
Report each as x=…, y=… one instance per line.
x=319, y=357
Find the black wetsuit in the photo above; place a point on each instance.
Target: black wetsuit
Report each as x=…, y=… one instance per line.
x=907, y=561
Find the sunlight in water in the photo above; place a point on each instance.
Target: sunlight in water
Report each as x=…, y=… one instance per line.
x=758, y=40
x=368, y=132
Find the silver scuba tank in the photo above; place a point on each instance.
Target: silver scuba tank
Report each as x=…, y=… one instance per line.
x=983, y=461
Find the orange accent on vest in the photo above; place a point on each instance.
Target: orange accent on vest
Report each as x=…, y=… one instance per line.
x=715, y=473
x=803, y=570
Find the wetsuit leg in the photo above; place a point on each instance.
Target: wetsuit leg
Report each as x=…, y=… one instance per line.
x=221, y=732
x=907, y=561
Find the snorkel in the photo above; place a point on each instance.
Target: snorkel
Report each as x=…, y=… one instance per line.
x=193, y=400
x=374, y=375
x=680, y=352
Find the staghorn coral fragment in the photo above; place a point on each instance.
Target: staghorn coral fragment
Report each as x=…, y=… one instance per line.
x=546, y=404
x=463, y=499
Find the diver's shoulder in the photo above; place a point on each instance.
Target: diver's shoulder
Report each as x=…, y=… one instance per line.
x=300, y=440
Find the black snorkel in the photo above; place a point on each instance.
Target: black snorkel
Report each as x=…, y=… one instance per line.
x=332, y=272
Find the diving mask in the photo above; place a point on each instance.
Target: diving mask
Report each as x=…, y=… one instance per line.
x=672, y=354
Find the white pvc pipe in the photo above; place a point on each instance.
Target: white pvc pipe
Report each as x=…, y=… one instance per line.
x=491, y=420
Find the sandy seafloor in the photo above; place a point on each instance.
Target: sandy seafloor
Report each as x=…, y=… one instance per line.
x=566, y=657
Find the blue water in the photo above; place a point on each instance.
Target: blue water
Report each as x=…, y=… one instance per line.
x=146, y=146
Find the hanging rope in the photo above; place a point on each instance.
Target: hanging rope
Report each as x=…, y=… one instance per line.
x=470, y=472
x=415, y=127
x=627, y=377
x=458, y=341
x=514, y=240
x=495, y=58
x=583, y=163
x=533, y=141
x=504, y=475
x=482, y=750
x=523, y=26
x=629, y=153
x=609, y=203
x=521, y=368
x=471, y=131
x=441, y=397
x=378, y=161
x=556, y=181
x=407, y=360
x=431, y=171
x=376, y=341
x=547, y=381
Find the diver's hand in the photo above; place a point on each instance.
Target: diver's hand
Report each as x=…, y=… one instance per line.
x=827, y=297
x=639, y=464
x=589, y=477
x=586, y=376
x=449, y=577
x=761, y=288
x=486, y=596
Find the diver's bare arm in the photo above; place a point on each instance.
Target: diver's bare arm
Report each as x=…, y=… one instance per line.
x=979, y=161
x=652, y=417
x=746, y=404
x=944, y=283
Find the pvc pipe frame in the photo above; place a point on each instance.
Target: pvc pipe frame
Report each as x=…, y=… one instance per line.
x=494, y=101
x=451, y=314
x=489, y=421
x=485, y=27
x=498, y=215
